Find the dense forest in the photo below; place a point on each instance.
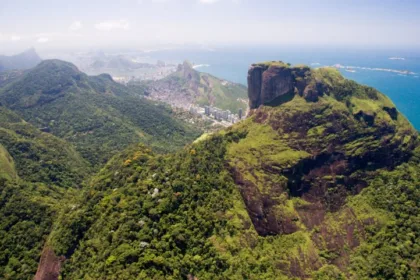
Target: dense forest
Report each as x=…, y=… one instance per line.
x=59, y=126
x=98, y=183
x=96, y=115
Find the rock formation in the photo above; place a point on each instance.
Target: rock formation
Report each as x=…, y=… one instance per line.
x=272, y=83
x=334, y=133
x=49, y=265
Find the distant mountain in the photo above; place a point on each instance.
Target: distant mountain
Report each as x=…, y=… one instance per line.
x=25, y=60
x=97, y=115
x=187, y=87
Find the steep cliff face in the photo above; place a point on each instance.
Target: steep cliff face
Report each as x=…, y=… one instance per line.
x=320, y=138
x=272, y=83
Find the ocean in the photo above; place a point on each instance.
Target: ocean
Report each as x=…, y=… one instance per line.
x=381, y=69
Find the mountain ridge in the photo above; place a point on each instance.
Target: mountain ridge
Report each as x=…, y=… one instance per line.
x=55, y=92
x=57, y=127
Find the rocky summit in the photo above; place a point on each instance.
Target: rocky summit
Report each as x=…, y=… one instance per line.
x=274, y=81
x=319, y=137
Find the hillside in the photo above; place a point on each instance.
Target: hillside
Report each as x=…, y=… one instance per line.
x=37, y=172
x=7, y=165
x=97, y=115
x=57, y=126
x=320, y=182
x=39, y=156
x=187, y=86
x=8, y=76
x=27, y=213
x=25, y=60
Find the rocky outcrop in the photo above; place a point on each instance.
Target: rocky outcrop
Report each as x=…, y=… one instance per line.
x=334, y=145
x=255, y=85
x=274, y=82
x=49, y=266
x=262, y=208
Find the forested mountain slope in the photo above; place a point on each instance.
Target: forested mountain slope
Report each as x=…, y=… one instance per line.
x=320, y=182
x=95, y=114
x=57, y=127
x=40, y=156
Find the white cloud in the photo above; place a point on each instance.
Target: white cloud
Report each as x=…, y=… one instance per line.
x=208, y=1
x=77, y=25
x=153, y=1
x=42, y=40
x=56, y=35
x=215, y=1
x=15, y=38
x=199, y=1
x=113, y=25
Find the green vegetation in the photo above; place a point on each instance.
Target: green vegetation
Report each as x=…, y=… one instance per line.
x=196, y=223
x=27, y=213
x=39, y=156
x=324, y=189
x=98, y=116
x=222, y=94
x=393, y=251
x=156, y=223
x=7, y=165
x=57, y=126
x=273, y=63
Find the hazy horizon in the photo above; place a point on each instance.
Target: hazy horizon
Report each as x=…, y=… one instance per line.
x=149, y=24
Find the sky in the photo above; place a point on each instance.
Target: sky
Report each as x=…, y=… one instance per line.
x=149, y=24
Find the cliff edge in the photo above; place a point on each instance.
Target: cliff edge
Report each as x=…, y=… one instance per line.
x=271, y=83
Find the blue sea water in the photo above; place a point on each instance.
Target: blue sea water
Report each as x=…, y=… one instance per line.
x=232, y=64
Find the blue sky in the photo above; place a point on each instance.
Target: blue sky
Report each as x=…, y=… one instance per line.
x=77, y=24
